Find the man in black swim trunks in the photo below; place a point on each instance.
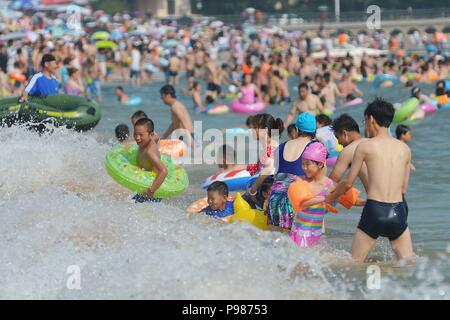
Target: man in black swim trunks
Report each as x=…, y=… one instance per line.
x=388, y=167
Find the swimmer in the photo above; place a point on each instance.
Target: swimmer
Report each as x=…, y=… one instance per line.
x=181, y=120
x=197, y=96
x=292, y=131
x=308, y=103
x=347, y=132
x=218, y=205
x=148, y=157
x=226, y=159
x=123, y=134
x=121, y=96
x=403, y=133
x=384, y=214
x=138, y=115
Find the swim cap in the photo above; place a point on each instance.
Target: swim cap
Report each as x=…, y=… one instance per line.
x=306, y=122
x=415, y=91
x=315, y=152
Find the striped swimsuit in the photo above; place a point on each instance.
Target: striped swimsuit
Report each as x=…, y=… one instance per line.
x=306, y=228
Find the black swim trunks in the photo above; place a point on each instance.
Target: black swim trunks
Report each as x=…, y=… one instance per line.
x=173, y=73
x=214, y=87
x=383, y=219
x=139, y=198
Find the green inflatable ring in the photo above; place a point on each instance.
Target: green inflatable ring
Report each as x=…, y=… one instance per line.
x=72, y=111
x=121, y=165
x=406, y=109
x=328, y=112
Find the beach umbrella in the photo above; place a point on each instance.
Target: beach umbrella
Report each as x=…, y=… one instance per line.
x=100, y=35
x=430, y=30
x=105, y=44
x=446, y=29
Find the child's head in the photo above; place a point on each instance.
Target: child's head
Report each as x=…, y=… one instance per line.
x=122, y=132
x=226, y=156
x=265, y=188
x=168, y=94
x=323, y=120
x=144, y=132
x=266, y=125
x=249, y=122
x=292, y=131
x=403, y=133
x=217, y=195
x=138, y=115
x=313, y=159
x=119, y=90
x=72, y=71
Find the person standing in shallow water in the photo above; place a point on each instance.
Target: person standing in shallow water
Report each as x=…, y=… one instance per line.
x=388, y=163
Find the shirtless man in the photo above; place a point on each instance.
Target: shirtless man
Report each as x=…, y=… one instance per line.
x=348, y=88
x=308, y=103
x=174, y=68
x=347, y=132
x=181, y=120
x=198, y=59
x=148, y=158
x=211, y=78
x=329, y=92
x=388, y=167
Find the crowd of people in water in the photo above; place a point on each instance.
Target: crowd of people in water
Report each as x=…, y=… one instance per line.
x=234, y=63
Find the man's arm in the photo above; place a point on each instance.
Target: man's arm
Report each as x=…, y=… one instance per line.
x=168, y=131
x=342, y=164
x=292, y=113
x=343, y=186
x=319, y=104
x=30, y=89
x=161, y=172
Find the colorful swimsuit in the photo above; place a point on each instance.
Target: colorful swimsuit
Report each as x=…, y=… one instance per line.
x=306, y=228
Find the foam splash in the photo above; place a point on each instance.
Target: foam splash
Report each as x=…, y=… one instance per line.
x=59, y=208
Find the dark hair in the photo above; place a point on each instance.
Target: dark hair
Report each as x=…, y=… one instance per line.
x=401, y=130
x=266, y=185
x=168, y=90
x=47, y=58
x=209, y=99
x=345, y=122
x=122, y=132
x=220, y=187
x=71, y=71
x=139, y=114
x=382, y=111
x=291, y=127
x=250, y=120
x=323, y=119
x=146, y=122
x=266, y=121
x=303, y=85
x=195, y=84
x=119, y=88
x=227, y=151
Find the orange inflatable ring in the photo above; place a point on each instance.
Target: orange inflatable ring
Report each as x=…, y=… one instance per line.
x=172, y=147
x=350, y=198
x=201, y=204
x=17, y=76
x=299, y=192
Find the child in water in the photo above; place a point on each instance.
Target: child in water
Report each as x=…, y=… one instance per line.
x=403, y=133
x=218, y=205
x=306, y=228
x=120, y=94
x=122, y=134
x=149, y=158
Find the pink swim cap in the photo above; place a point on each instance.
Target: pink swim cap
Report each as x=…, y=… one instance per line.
x=315, y=152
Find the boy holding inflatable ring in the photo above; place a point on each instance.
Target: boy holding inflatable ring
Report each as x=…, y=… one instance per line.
x=148, y=157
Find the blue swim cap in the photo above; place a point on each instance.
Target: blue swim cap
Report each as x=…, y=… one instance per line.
x=306, y=123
